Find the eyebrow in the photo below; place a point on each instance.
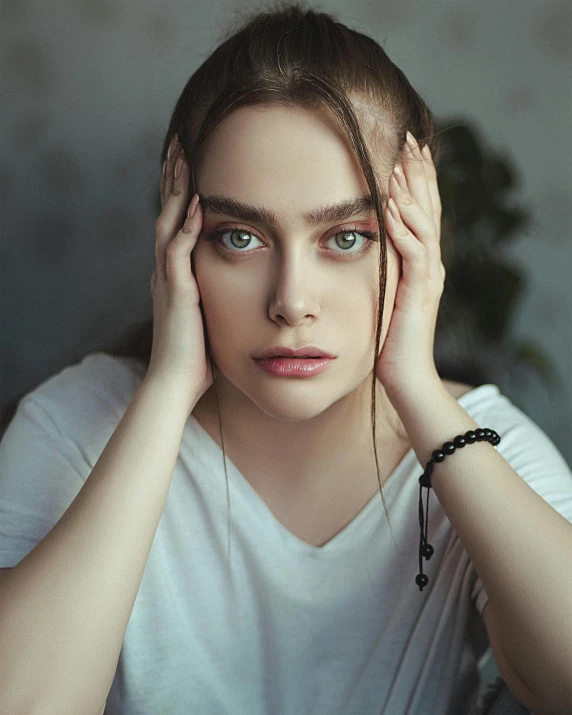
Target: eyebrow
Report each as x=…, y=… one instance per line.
x=217, y=204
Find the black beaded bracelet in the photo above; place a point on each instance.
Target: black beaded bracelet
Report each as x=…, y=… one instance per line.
x=425, y=549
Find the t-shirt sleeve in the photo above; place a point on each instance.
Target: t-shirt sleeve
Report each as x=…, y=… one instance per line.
x=41, y=473
x=51, y=446
x=533, y=455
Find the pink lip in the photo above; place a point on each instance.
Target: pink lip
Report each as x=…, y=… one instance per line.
x=284, y=351
x=294, y=367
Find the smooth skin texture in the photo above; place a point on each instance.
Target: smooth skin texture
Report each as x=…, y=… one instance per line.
x=295, y=440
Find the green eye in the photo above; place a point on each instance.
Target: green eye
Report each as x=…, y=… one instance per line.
x=217, y=238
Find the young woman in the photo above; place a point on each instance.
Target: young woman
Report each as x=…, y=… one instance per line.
x=202, y=531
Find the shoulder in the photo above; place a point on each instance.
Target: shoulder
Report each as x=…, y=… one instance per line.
x=95, y=391
x=96, y=373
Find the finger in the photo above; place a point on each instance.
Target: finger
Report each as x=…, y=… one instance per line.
x=421, y=226
x=178, y=264
x=173, y=214
x=431, y=172
x=168, y=173
x=415, y=172
x=406, y=243
x=415, y=234
x=162, y=187
x=420, y=263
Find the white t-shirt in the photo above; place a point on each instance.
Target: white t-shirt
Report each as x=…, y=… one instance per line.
x=289, y=628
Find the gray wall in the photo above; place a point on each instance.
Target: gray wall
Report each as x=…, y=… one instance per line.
x=87, y=90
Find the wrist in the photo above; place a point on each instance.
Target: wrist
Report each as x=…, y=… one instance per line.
x=417, y=388
x=181, y=399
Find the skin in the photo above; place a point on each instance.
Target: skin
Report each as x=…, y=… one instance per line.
x=295, y=440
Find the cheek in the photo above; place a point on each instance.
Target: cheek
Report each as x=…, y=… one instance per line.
x=226, y=305
x=206, y=279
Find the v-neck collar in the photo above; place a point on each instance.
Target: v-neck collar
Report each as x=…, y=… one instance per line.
x=346, y=538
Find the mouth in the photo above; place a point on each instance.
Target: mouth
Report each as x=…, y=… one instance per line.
x=296, y=357
x=294, y=366
x=307, y=352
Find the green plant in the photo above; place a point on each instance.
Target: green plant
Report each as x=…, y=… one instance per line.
x=482, y=290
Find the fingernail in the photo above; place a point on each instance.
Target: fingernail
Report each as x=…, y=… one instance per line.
x=399, y=177
x=172, y=146
x=178, y=167
x=411, y=140
x=193, y=206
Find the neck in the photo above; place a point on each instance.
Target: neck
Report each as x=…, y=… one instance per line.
x=291, y=453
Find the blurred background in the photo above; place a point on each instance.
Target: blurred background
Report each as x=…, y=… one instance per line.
x=87, y=89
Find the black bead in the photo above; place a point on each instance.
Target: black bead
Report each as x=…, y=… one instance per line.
x=480, y=435
x=488, y=433
x=437, y=456
x=425, y=478
x=427, y=550
x=421, y=580
x=459, y=441
x=470, y=437
x=448, y=448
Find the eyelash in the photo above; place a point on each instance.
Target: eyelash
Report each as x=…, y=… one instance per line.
x=371, y=237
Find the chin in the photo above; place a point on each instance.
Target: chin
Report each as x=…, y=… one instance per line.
x=294, y=400
x=293, y=410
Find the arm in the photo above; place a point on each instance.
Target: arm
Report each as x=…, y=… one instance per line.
x=520, y=546
x=65, y=607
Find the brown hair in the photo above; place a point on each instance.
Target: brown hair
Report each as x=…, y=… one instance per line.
x=292, y=56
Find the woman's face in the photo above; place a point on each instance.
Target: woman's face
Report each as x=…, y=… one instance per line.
x=293, y=283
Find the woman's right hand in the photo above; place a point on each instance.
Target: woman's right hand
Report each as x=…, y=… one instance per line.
x=178, y=353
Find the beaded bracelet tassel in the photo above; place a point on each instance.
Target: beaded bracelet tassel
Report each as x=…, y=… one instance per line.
x=425, y=549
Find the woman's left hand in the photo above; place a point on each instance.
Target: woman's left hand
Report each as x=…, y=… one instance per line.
x=406, y=359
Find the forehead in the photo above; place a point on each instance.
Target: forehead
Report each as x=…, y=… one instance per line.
x=277, y=154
